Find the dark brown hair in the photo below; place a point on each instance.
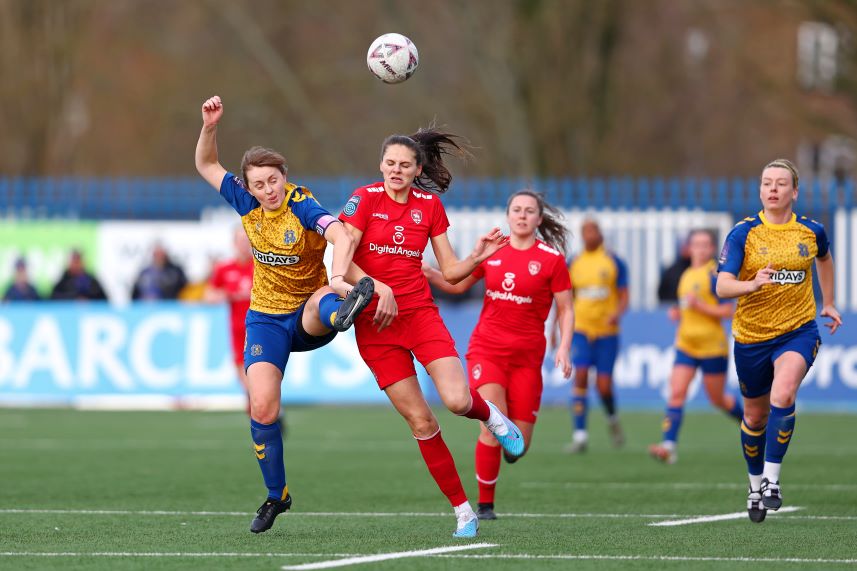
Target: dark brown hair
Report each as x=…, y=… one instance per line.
x=429, y=145
x=552, y=230
x=262, y=157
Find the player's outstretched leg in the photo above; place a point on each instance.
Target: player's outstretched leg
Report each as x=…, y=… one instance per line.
x=356, y=300
x=505, y=431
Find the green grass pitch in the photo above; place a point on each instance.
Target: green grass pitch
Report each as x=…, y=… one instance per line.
x=347, y=466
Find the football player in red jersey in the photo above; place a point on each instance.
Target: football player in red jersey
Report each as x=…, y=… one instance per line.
x=392, y=222
x=231, y=282
x=508, y=345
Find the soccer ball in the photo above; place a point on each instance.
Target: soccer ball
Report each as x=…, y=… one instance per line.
x=393, y=58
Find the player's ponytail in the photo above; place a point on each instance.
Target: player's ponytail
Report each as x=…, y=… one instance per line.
x=429, y=146
x=552, y=230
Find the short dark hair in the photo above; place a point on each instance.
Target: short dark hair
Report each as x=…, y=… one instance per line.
x=262, y=157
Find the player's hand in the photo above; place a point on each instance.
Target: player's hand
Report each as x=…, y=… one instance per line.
x=387, y=308
x=692, y=301
x=763, y=277
x=488, y=244
x=340, y=286
x=212, y=111
x=561, y=361
x=674, y=313
x=835, y=319
x=614, y=319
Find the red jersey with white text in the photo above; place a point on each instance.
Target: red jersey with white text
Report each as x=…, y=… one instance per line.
x=519, y=290
x=236, y=279
x=394, y=237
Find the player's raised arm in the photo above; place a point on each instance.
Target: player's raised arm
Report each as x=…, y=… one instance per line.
x=455, y=270
x=435, y=278
x=207, y=163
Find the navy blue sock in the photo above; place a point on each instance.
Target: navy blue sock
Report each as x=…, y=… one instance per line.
x=672, y=423
x=737, y=411
x=781, y=425
x=328, y=305
x=578, y=409
x=753, y=444
x=268, y=446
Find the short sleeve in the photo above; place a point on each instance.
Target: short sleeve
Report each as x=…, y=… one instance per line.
x=439, y=221
x=712, y=284
x=732, y=255
x=232, y=190
x=821, y=241
x=353, y=213
x=621, y=272
x=479, y=271
x=309, y=211
x=560, y=279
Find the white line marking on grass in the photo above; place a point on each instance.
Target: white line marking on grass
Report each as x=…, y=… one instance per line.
x=327, y=514
x=719, y=517
x=681, y=486
x=657, y=558
x=156, y=554
x=385, y=557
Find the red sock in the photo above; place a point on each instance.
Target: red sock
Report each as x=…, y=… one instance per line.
x=442, y=468
x=479, y=409
x=487, y=470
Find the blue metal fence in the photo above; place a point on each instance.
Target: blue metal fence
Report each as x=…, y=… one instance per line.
x=186, y=198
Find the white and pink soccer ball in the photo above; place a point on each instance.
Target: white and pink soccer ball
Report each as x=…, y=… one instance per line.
x=393, y=58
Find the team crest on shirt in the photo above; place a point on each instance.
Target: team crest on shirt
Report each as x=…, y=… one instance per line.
x=802, y=250
x=534, y=267
x=399, y=235
x=508, y=284
x=476, y=371
x=289, y=237
x=256, y=350
x=416, y=215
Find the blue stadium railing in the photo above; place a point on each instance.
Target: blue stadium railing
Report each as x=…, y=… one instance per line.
x=186, y=198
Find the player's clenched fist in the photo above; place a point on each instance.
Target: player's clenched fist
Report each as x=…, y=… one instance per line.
x=212, y=110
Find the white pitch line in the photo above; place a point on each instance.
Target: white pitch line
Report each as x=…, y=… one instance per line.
x=330, y=514
x=159, y=554
x=658, y=558
x=719, y=517
x=384, y=557
x=681, y=486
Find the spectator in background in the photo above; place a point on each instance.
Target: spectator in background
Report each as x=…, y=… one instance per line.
x=668, y=286
x=76, y=283
x=21, y=289
x=162, y=279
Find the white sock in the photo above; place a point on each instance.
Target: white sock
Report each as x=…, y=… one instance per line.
x=669, y=445
x=580, y=436
x=772, y=472
x=755, y=482
x=496, y=424
x=464, y=508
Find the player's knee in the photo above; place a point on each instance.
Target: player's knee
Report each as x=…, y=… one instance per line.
x=423, y=427
x=264, y=412
x=755, y=418
x=458, y=404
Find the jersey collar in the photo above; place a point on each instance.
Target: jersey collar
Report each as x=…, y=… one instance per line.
x=773, y=226
x=290, y=189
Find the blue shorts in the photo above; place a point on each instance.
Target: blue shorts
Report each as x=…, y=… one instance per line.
x=754, y=362
x=272, y=337
x=709, y=365
x=598, y=351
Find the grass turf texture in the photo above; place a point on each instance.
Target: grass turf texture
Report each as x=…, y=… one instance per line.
x=364, y=460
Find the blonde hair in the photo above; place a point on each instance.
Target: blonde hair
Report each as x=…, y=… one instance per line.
x=785, y=164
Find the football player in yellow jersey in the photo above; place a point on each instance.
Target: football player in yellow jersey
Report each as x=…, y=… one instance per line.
x=599, y=281
x=700, y=343
x=291, y=306
x=766, y=263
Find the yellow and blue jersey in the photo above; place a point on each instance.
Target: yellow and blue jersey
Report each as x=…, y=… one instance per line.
x=699, y=335
x=596, y=278
x=787, y=303
x=288, y=245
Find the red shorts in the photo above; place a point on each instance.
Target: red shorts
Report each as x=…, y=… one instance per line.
x=390, y=353
x=523, y=384
x=238, y=335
